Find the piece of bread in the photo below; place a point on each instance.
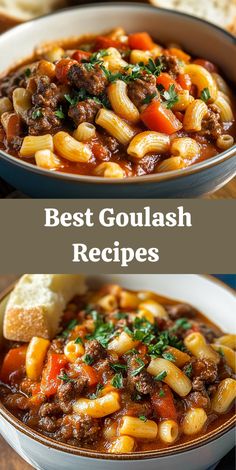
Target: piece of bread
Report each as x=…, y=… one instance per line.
x=36, y=304
x=28, y=9
x=220, y=12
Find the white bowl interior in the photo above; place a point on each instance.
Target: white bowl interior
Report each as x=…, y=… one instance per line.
x=197, y=37
x=208, y=295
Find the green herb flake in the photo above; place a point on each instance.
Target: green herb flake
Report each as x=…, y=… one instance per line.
x=188, y=370
x=161, y=393
x=143, y=418
x=88, y=359
x=37, y=113
x=182, y=323
x=27, y=72
x=221, y=352
x=94, y=395
x=170, y=96
x=65, y=378
x=119, y=367
x=59, y=113
x=78, y=340
x=149, y=98
x=121, y=315
x=159, y=377
x=138, y=369
x=117, y=380
x=205, y=94
x=70, y=326
x=168, y=356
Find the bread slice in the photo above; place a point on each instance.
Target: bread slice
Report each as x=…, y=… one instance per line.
x=27, y=9
x=220, y=12
x=36, y=304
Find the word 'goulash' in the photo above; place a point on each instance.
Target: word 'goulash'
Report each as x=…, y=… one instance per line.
x=108, y=217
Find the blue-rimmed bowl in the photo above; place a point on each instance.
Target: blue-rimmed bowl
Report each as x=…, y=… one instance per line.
x=198, y=37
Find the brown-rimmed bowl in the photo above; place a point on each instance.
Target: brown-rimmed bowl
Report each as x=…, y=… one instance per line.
x=216, y=301
x=198, y=37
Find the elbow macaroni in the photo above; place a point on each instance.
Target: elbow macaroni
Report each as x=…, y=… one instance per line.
x=99, y=407
x=35, y=356
x=168, y=431
x=84, y=132
x=109, y=170
x=194, y=115
x=197, y=345
x=69, y=148
x=194, y=421
x=148, y=141
x=122, y=445
x=175, y=378
x=32, y=144
x=134, y=427
x=120, y=102
x=185, y=147
x=115, y=126
x=73, y=350
x=202, y=79
x=122, y=344
x=47, y=160
x=224, y=396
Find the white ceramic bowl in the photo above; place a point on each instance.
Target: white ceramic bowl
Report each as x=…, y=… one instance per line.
x=198, y=37
x=214, y=300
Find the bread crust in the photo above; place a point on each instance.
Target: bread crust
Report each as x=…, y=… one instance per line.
x=22, y=325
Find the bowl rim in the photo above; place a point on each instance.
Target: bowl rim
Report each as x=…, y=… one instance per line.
x=195, y=443
x=154, y=177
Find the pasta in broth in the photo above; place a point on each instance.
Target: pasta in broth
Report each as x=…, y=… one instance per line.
x=114, y=106
x=129, y=371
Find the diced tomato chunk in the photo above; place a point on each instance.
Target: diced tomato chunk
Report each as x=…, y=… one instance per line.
x=142, y=41
x=90, y=373
x=103, y=42
x=81, y=55
x=166, y=81
x=62, y=69
x=160, y=119
x=163, y=403
x=13, y=362
x=50, y=380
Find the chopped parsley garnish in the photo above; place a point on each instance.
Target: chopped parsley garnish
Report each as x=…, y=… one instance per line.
x=154, y=67
x=27, y=72
x=143, y=418
x=65, y=378
x=78, y=340
x=59, y=113
x=161, y=393
x=160, y=376
x=95, y=59
x=138, y=369
x=170, y=96
x=143, y=330
x=103, y=331
x=164, y=339
x=88, y=359
x=168, y=356
x=94, y=395
x=117, y=380
x=70, y=326
x=133, y=72
x=205, y=94
x=149, y=98
x=182, y=323
x=121, y=315
x=188, y=370
x=221, y=352
x=119, y=367
x=37, y=113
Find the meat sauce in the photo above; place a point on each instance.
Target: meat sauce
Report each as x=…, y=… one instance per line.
x=91, y=381
x=61, y=88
